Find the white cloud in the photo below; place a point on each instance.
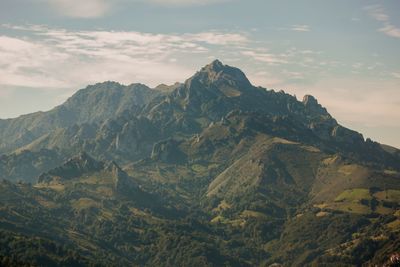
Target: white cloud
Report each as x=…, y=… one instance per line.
x=357, y=65
x=216, y=38
x=268, y=58
x=390, y=30
x=81, y=9
x=378, y=13
x=265, y=79
x=19, y=57
x=57, y=58
x=294, y=75
x=300, y=28
x=99, y=8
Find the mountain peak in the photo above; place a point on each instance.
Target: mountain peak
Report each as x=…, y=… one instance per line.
x=216, y=65
x=218, y=74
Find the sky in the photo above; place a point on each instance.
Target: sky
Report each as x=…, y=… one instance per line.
x=345, y=53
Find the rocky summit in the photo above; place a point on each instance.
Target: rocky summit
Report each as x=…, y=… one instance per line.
x=213, y=171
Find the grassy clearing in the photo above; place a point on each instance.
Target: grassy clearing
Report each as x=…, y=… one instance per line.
x=46, y=203
x=352, y=207
x=149, y=217
x=321, y=206
x=54, y=186
x=331, y=160
x=311, y=149
x=84, y=203
x=394, y=226
x=390, y=172
x=354, y=195
x=252, y=213
x=278, y=140
x=358, y=200
x=383, y=210
x=105, y=191
x=388, y=195
x=349, y=169
x=322, y=214
x=199, y=168
x=222, y=220
x=219, y=219
x=222, y=206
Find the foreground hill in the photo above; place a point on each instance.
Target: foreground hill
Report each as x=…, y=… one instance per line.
x=210, y=172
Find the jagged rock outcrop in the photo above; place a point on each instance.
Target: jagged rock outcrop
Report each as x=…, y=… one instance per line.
x=347, y=136
x=123, y=184
x=73, y=168
x=313, y=107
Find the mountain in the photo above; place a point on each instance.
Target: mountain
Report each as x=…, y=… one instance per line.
x=93, y=104
x=213, y=171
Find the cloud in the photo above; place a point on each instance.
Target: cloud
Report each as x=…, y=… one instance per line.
x=269, y=58
x=294, y=75
x=98, y=8
x=378, y=13
x=266, y=79
x=57, y=58
x=216, y=38
x=390, y=30
x=81, y=9
x=300, y=28
x=19, y=57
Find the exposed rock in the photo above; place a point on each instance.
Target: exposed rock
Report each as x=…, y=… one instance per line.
x=122, y=182
x=72, y=168
x=168, y=152
x=312, y=105
x=344, y=135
